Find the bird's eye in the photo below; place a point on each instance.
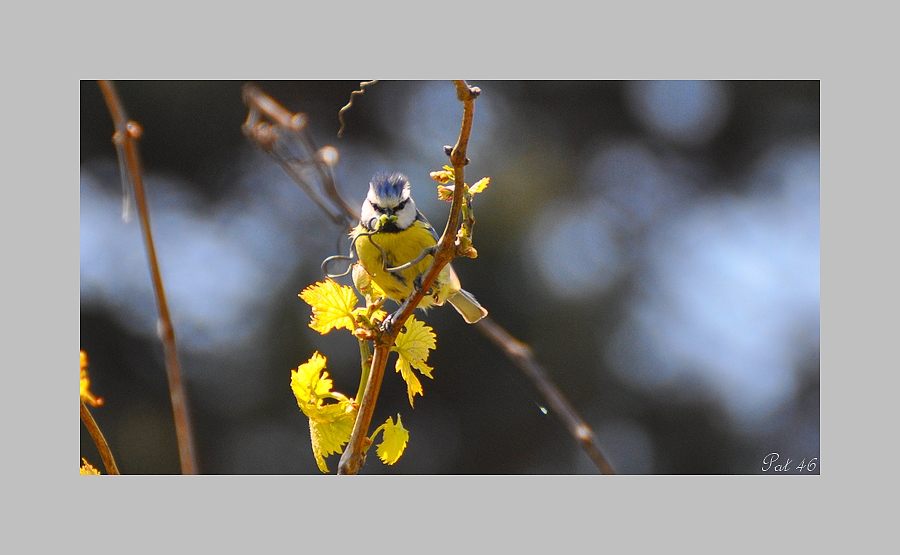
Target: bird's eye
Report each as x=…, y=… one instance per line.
x=401, y=204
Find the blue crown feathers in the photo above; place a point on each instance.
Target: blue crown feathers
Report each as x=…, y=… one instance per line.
x=389, y=187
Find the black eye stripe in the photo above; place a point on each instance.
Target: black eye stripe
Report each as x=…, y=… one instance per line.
x=382, y=209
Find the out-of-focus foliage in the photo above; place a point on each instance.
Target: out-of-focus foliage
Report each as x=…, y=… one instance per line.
x=87, y=469
x=85, y=380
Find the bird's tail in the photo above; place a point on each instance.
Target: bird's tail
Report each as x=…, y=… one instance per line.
x=465, y=304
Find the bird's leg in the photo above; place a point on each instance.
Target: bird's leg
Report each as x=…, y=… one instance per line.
x=417, y=283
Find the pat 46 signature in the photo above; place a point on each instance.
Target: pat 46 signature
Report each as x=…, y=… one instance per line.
x=772, y=463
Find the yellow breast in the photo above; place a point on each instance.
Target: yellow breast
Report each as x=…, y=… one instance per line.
x=399, y=248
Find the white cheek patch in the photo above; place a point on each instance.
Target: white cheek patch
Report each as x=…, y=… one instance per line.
x=367, y=214
x=407, y=216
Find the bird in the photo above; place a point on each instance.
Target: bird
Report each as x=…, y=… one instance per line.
x=392, y=232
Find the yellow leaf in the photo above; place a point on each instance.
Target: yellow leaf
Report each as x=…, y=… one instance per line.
x=416, y=341
x=331, y=424
x=87, y=469
x=329, y=437
x=332, y=306
x=86, y=394
x=413, y=385
x=479, y=186
x=310, y=382
x=393, y=443
x=413, y=347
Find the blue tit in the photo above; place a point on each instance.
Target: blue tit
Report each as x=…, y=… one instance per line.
x=392, y=232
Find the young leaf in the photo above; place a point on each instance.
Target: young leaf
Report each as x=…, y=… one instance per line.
x=310, y=382
x=86, y=394
x=479, y=186
x=443, y=176
x=394, y=440
x=413, y=347
x=332, y=306
x=413, y=385
x=88, y=470
x=445, y=193
x=330, y=425
x=415, y=343
x=329, y=435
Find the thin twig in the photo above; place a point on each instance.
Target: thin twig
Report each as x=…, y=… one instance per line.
x=125, y=138
x=362, y=89
x=522, y=355
x=108, y=461
x=273, y=128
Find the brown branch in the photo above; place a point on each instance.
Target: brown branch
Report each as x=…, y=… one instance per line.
x=445, y=251
x=125, y=138
x=353, y=457
x=523, y=357
x=108, y=461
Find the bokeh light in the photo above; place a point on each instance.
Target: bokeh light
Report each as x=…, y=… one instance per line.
x=685, y=112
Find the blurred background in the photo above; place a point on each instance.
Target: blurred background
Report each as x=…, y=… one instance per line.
x=655, y=242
